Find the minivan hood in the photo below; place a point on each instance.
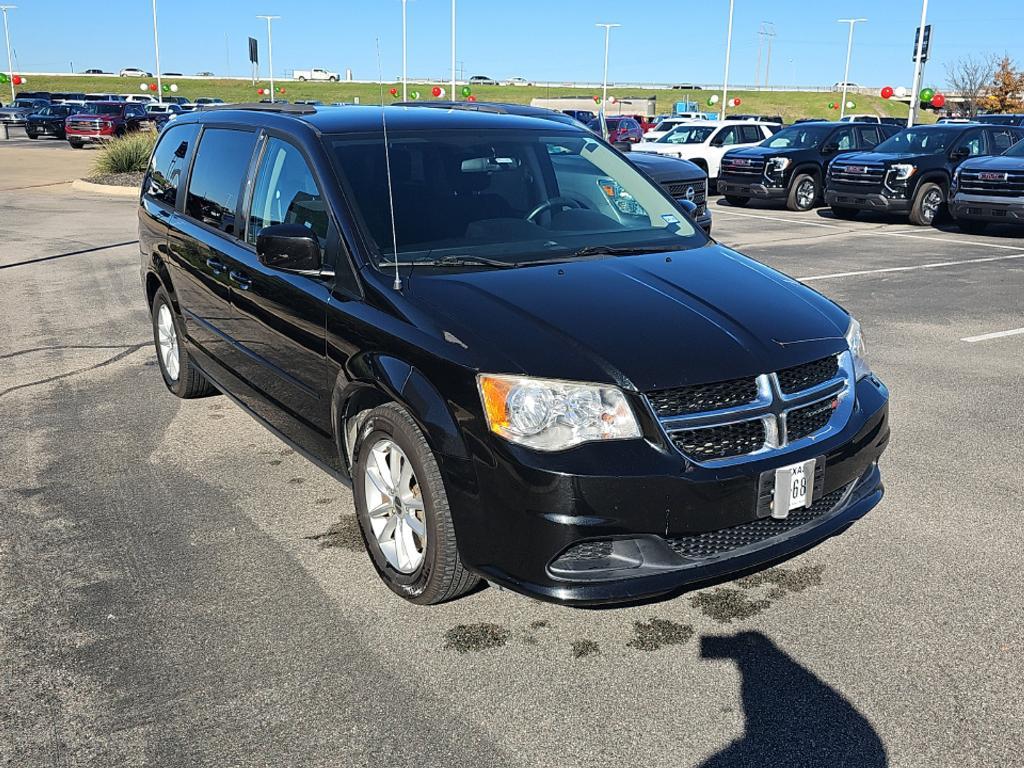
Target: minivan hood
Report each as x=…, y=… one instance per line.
x=645, y=322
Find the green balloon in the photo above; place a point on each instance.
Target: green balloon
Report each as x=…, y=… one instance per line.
x=415, y=94
x=167, y=89
x=711, y=103
x=466, y=90
x=3, y=77
x=927, y=94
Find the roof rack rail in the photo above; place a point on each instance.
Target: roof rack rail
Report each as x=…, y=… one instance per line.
x=255, y=106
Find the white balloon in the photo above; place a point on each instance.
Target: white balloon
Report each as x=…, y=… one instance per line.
x=174, y=87
x=143, y=87
x=714, y=98
x=901, y=92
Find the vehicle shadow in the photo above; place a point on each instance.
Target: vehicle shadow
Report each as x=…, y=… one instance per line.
x=792, y=717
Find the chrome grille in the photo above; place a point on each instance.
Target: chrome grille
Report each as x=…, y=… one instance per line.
x=743, y=166
x=679, y=190
x=995, y=183
x=732, y=421
x=87, y=125
x=857, y=174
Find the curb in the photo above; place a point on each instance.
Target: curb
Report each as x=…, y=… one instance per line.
x=104, y=189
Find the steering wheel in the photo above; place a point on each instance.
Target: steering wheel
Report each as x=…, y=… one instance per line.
x=559, y=202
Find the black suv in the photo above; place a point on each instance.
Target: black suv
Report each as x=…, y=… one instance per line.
x=530, y=368
x=989, y=190
x=910, y=172
x=791, y=164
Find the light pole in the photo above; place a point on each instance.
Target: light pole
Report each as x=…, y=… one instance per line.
x=7, y=37
x=728, y=54
x=405, y=60
x=156, y=49
x=453, y=51
x=918, y=64
x=270, y=52
x=849, y=49
x=604, y=89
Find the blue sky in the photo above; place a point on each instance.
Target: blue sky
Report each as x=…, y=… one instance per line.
x=660, y=41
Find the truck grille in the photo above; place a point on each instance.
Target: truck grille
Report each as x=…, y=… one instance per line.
x=704, y=397
x=742, y=166
x=726, y=421
x=995, y=183
x=694, y=191
x=807, y=375
x=723, y=441
x=87, y=125
x=857, y=174
x=704, y=545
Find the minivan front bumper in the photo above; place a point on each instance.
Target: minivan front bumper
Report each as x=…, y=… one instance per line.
x=627, y=521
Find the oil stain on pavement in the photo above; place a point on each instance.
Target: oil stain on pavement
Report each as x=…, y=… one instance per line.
x=476, y=637
x=343, y=534
x=725, y=604
x=655, y=633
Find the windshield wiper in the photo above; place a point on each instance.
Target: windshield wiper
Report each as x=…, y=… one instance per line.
x=453, y=261
x=631, y=250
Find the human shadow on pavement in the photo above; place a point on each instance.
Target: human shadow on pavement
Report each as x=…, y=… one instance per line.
x=792, y=717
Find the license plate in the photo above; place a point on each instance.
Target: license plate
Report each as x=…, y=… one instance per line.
x=794, y=488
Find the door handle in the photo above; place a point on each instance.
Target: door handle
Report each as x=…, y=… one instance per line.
x=244, y=281
x=216, y=265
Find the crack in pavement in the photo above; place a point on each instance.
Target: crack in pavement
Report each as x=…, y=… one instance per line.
x=109, y=361
x=21, y=352
x=69, y=253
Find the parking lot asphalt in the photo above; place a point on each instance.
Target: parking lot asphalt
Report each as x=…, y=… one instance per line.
x=177, y=587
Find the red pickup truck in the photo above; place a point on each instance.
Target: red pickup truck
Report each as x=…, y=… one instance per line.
x=104, y=120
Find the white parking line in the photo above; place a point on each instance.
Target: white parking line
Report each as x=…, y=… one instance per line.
x=875, y=232
x=934, y=265
x=996, y=335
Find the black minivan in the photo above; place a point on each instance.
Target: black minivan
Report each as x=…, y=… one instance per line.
x=528, y=362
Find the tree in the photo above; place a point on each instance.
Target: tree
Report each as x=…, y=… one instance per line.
x=1006, y=93
x=972, y=78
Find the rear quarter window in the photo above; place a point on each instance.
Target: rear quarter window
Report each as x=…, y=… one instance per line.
x=169, y=162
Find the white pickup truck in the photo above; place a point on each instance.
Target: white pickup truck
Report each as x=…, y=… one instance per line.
x=315, y=74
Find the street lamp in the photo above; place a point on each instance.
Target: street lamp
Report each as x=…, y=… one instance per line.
x=728, y=54
x=849, y=49
x=156, y=49
x=270, y=52
x=915, y=97
x=604, y=91
x=453, y=51
x=405, y=60
x=7, y=37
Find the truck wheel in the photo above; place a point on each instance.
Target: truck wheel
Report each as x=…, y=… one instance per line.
x=333, y=79
x=75, y=144
x=403, y=510
x=737, y=202
x=803, y=193
x=180, y=374
x=972, y=226
x=844, y=213
x=927, y=204
x=302, y=79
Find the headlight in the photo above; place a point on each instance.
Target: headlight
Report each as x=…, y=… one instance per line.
x=855, y=341
x=778, y=164
x=550, y=415
x=902, y=171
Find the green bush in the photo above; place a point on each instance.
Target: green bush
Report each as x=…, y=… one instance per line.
x=127, y=154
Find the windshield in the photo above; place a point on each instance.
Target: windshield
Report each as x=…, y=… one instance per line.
x=805, y=136
x=509, y=197
x=687, y=134
x=103, y=109
x=922, y=141
x=1017, y=150
x=24, y=103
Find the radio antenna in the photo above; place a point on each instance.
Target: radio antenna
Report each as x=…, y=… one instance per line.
x=387, y=166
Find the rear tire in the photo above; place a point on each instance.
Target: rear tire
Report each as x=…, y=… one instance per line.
x=180, y=374
x=845, y=213
x=737, y=202
x=32, y=135
x=928, y=204
x=803, y=193
x=411, y=537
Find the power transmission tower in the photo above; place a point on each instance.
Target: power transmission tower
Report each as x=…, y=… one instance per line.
x=765, y=33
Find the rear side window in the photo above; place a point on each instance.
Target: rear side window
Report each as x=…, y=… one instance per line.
x=219, y=170
x=752, y=134
x=285, y=193
x=1002, y=139
x=868, y=136
x=169, y=162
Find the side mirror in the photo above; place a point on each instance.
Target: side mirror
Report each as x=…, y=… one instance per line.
x=288, y=246
x=717, y=143
x=960, y=153
x=830, y=149
x=689, y=206
x=623, y=146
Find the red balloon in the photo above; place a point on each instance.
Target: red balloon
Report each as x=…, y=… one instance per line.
x=938, y=101
x=280, y=90
x=152, y=86
x=16, y=79
x=259, y=91
x=887, y=92
x=471, y=98
x=436, y=91
x=393, y=91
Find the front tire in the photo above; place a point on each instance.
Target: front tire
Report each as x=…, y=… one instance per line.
x=32, y=134
x=76, y=144
x=736, y=201
x=403, y=510
x=927, y=206
x=180, y=374
x=803, y=193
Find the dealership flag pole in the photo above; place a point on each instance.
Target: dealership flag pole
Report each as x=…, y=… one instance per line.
x=405, y=60
x=7, y=37
x=728, y=54
x=156, y=49
x=452, y=94
x=914, y=91
x=849, y=49
x=270, y=53
x=604, y=92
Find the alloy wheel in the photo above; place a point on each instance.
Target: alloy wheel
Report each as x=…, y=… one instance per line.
x=394, y=504
x=168, y=342
x=805, y=193
x=930, y=205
